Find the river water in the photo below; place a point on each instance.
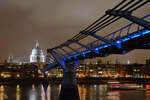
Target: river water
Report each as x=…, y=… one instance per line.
x=86, y=92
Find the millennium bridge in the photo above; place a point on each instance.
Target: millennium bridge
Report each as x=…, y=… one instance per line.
x=135, y=35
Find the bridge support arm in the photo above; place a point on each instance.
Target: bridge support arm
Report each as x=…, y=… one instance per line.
x=60, y=53
x=65, y=51
x=82, y=45
x=72, y=49
x=103, y=39
x=130, y=17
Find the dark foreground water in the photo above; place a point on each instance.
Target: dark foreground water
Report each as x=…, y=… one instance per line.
x=87, y=92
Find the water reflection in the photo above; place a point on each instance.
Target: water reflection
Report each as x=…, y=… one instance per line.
x=147, y=92
x=46, y=96
x=2, y=92
x=82, y=92
x=33, y=93
x=55, y=89
x=97, y=92
x=18, y=92
x=113, y=95
x=42, y=92
x=86, y=92
x=48, y=92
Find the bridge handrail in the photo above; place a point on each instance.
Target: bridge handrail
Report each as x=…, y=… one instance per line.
x=129, y=25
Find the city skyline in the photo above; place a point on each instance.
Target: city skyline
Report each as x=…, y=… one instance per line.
x=23, y=22
x=130, y=58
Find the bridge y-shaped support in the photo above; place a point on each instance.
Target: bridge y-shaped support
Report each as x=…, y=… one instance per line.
x=82, y=45
x=69, y=89
x=60, y=53
x=118, y=45
x=72, y=49
x=130, y=17
x=65, y=51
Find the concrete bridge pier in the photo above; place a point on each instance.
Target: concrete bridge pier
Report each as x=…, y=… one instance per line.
x=69, y=89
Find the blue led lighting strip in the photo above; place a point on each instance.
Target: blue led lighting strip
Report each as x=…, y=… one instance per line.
x=124, y=39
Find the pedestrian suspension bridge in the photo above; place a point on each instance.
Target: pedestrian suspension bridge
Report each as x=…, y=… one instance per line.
x=135, y=35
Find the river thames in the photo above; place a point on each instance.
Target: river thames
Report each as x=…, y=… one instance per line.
x=86, y=92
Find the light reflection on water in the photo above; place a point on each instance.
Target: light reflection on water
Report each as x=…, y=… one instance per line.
x=86, y=92
x=18, y=92
x=147, y=92
x=2, y=92
x=97, y=92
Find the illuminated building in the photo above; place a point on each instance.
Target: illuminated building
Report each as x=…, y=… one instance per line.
x=37, y=54
x=10, y=59
x=147, y=61
x=117, y=61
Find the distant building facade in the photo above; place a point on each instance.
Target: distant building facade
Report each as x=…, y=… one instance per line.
x=147, y=61
x=10, y=59
x=37, y=54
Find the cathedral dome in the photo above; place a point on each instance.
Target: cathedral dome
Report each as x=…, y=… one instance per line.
x=37, y=54
x=37, y=51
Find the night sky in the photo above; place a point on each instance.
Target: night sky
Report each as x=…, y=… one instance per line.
x=52, y=22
